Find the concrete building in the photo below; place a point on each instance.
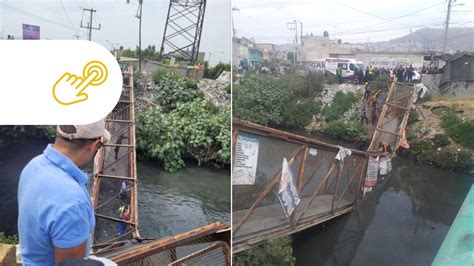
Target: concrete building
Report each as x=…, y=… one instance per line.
x=246, y=51
x=267, y=49
x=314, y=48
x=390, y=60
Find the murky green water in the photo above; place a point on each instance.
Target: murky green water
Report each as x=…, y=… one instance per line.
x=403, y=222
x=168, y=203
x=173, y=203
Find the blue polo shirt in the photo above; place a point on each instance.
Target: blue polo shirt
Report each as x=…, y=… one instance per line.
x=55, y=209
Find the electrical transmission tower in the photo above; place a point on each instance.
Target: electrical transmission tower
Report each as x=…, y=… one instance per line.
x=183, y=30
x=89, y=24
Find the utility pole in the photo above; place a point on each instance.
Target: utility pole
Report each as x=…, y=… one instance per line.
x=445, y=46
x=295, y=28
x=140, y=2
x=301, y=33
x=409, y=42
x=89, y=24
x=139, y=16
x=233, y=28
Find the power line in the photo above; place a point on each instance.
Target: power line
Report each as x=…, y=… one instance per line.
x=398, y=17
x=363, y=32
x=67, y=15
x=388, y=19
x=35, y=16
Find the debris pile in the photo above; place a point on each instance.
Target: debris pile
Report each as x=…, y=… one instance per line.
x=330, y=90
x=145, y=92
x=217, y=90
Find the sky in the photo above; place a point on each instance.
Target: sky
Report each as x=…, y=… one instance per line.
x=61, y=19
x=351, y=21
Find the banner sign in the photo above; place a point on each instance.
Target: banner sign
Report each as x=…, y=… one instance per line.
x=31, y=32
x=245, y=164
x=372, y=171
x=288, y=194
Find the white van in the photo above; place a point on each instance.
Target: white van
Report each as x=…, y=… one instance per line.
x=348, y=67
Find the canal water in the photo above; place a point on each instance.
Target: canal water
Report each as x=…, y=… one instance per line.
x=403, y=222
x=168, y=203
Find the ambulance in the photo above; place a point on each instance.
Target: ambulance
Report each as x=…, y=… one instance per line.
x=349, y=67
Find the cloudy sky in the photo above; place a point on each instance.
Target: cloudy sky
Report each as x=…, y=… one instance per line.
x=351, y=21
x=61, y=19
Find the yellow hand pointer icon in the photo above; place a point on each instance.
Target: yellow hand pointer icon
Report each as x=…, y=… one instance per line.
x=70, y=89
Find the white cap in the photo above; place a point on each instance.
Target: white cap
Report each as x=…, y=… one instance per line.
x=89, y=131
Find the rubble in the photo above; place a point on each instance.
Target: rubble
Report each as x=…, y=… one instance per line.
x=145, y=92
x=215, y=90
x=330, y=90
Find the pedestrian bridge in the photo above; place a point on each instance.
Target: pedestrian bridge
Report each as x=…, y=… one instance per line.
x=327, y=187
x=115, y=186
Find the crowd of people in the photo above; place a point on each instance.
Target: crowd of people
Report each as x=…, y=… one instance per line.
x=402, y=73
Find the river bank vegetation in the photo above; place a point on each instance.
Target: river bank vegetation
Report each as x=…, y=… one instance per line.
x=277, y=251
x=293, y=102
x=183, y=124
x=451, y=148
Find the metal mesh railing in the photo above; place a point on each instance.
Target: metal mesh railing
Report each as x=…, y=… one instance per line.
x=391, y=126
x=208, y=245
x=326, y=187
x=115, y=181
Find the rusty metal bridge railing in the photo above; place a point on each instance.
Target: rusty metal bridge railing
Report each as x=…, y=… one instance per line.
x=327, y=187
x=115, y=186
x=114, y=170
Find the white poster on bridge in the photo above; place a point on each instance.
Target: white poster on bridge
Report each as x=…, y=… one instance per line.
x=287, y=194
x=245, y=163
x=372, y=171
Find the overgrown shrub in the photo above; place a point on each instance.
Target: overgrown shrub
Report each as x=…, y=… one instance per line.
x=160, y=73
x=459, y=130
x=422, y=148
x=441, y=140
x=345, y=131
x=277, y=251
x=260, y=99
x=299, y=113
x=215, y=72
x=331, y=79
x=452, y=160
x=11, y=240
x=174, y=90
x=450, y=118
x=340, y=104
x=307, y=86
x=413, y=116
x=197, y=129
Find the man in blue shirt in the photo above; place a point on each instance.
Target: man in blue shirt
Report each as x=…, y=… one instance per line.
x=56, y=217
